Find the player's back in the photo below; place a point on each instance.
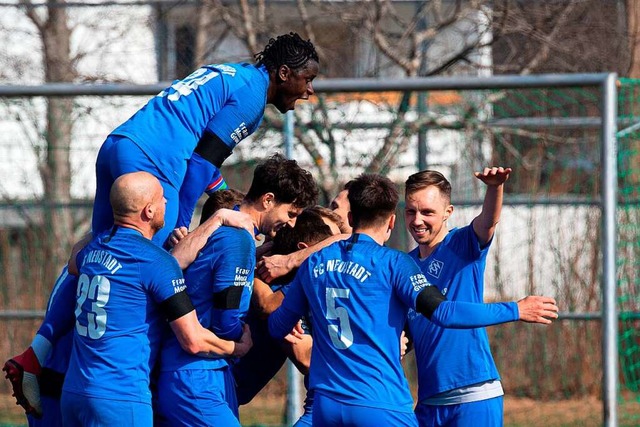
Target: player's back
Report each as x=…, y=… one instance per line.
x=123, y=278
x=358, y=310
x=219, y=283
x=170, y=125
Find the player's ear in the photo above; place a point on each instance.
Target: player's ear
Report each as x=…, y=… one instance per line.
x=148, y=212
x=283, y=73
x=392, y=222
x=350, y=219
x=268, y=200
x=448, y=212
x=302, y=245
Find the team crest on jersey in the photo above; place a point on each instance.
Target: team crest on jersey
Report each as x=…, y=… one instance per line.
x=435, y=268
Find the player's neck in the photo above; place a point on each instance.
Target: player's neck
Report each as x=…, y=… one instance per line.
x=249, y=209
x=380, y=235
x=146, y=231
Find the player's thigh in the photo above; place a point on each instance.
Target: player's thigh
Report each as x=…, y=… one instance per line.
x=51, y=413
x=195, y=398
x=329, y=412
x=483, y=413
x=84, y=411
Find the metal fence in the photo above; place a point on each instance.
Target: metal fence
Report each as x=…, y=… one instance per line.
x=558, y=231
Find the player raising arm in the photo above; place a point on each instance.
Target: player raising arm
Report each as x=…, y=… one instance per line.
x=358, y=292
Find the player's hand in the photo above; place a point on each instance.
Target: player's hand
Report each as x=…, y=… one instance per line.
x=236, y=219
x=244, y=344
x=272, y=267
x=494, y=176
x=536, y=309
x=176, y=235
x=23, y=371
x=296, y=334
x=404, y=344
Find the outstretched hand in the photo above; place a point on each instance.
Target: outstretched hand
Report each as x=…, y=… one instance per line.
x=494, y=176
x=537, y=309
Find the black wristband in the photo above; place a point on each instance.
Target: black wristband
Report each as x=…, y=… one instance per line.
x=213, y=149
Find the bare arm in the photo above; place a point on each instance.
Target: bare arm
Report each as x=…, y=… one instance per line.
x=77, y=247
x=484, y=225
x=194, y=339
x=272, y=267
x=264, y=300
x=187, y=249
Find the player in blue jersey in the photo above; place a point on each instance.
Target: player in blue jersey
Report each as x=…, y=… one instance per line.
x=24, y=371
x=199, y=391
x=128, y=288
x=458, y=382
x=266, y=357
x=199, y=120
x=358, y=292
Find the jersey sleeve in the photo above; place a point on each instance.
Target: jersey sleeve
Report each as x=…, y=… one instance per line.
x=407, y=279
x=232, y=283
x=59, y=318
x=466, y=315
x=294, y=306
x=164, y=277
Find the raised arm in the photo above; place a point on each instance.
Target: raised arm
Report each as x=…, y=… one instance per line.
x=484, y=225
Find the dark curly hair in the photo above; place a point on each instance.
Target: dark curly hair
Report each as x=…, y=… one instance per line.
x=288, y=182
x=288, y=49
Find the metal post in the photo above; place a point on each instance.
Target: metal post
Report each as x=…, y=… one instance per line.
x=289, y=120
x=294, y=406
x=422, y=133
x=609, y=208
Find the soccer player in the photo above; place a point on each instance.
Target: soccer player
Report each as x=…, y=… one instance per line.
x=277, y=265
x=458, y=382
x=199, y=391
x=202, y=118
x=24, y=371
x=266, y=357
x=127, y=288
x=358, y=292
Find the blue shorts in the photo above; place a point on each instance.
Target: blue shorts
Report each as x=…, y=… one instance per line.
x=483, y=413
x=118, y=156
x=51, y=414
x=329, y=412
x=198, y=397
x=84, y=411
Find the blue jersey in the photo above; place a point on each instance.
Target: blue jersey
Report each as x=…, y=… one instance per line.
x=227, y=100
x=358, y=293
x=452, y=358
x=123, y=279
x=219, y=283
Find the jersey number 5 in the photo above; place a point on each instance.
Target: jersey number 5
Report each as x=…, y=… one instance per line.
x=96, y=290
x=340, y=334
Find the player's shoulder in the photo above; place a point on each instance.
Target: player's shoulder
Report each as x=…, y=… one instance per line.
x=147, y=251
x=233, y=237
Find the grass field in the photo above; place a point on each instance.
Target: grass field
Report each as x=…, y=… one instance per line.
x=267, y=412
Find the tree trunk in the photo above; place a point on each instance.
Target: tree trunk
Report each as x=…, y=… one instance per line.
x=56, y=171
